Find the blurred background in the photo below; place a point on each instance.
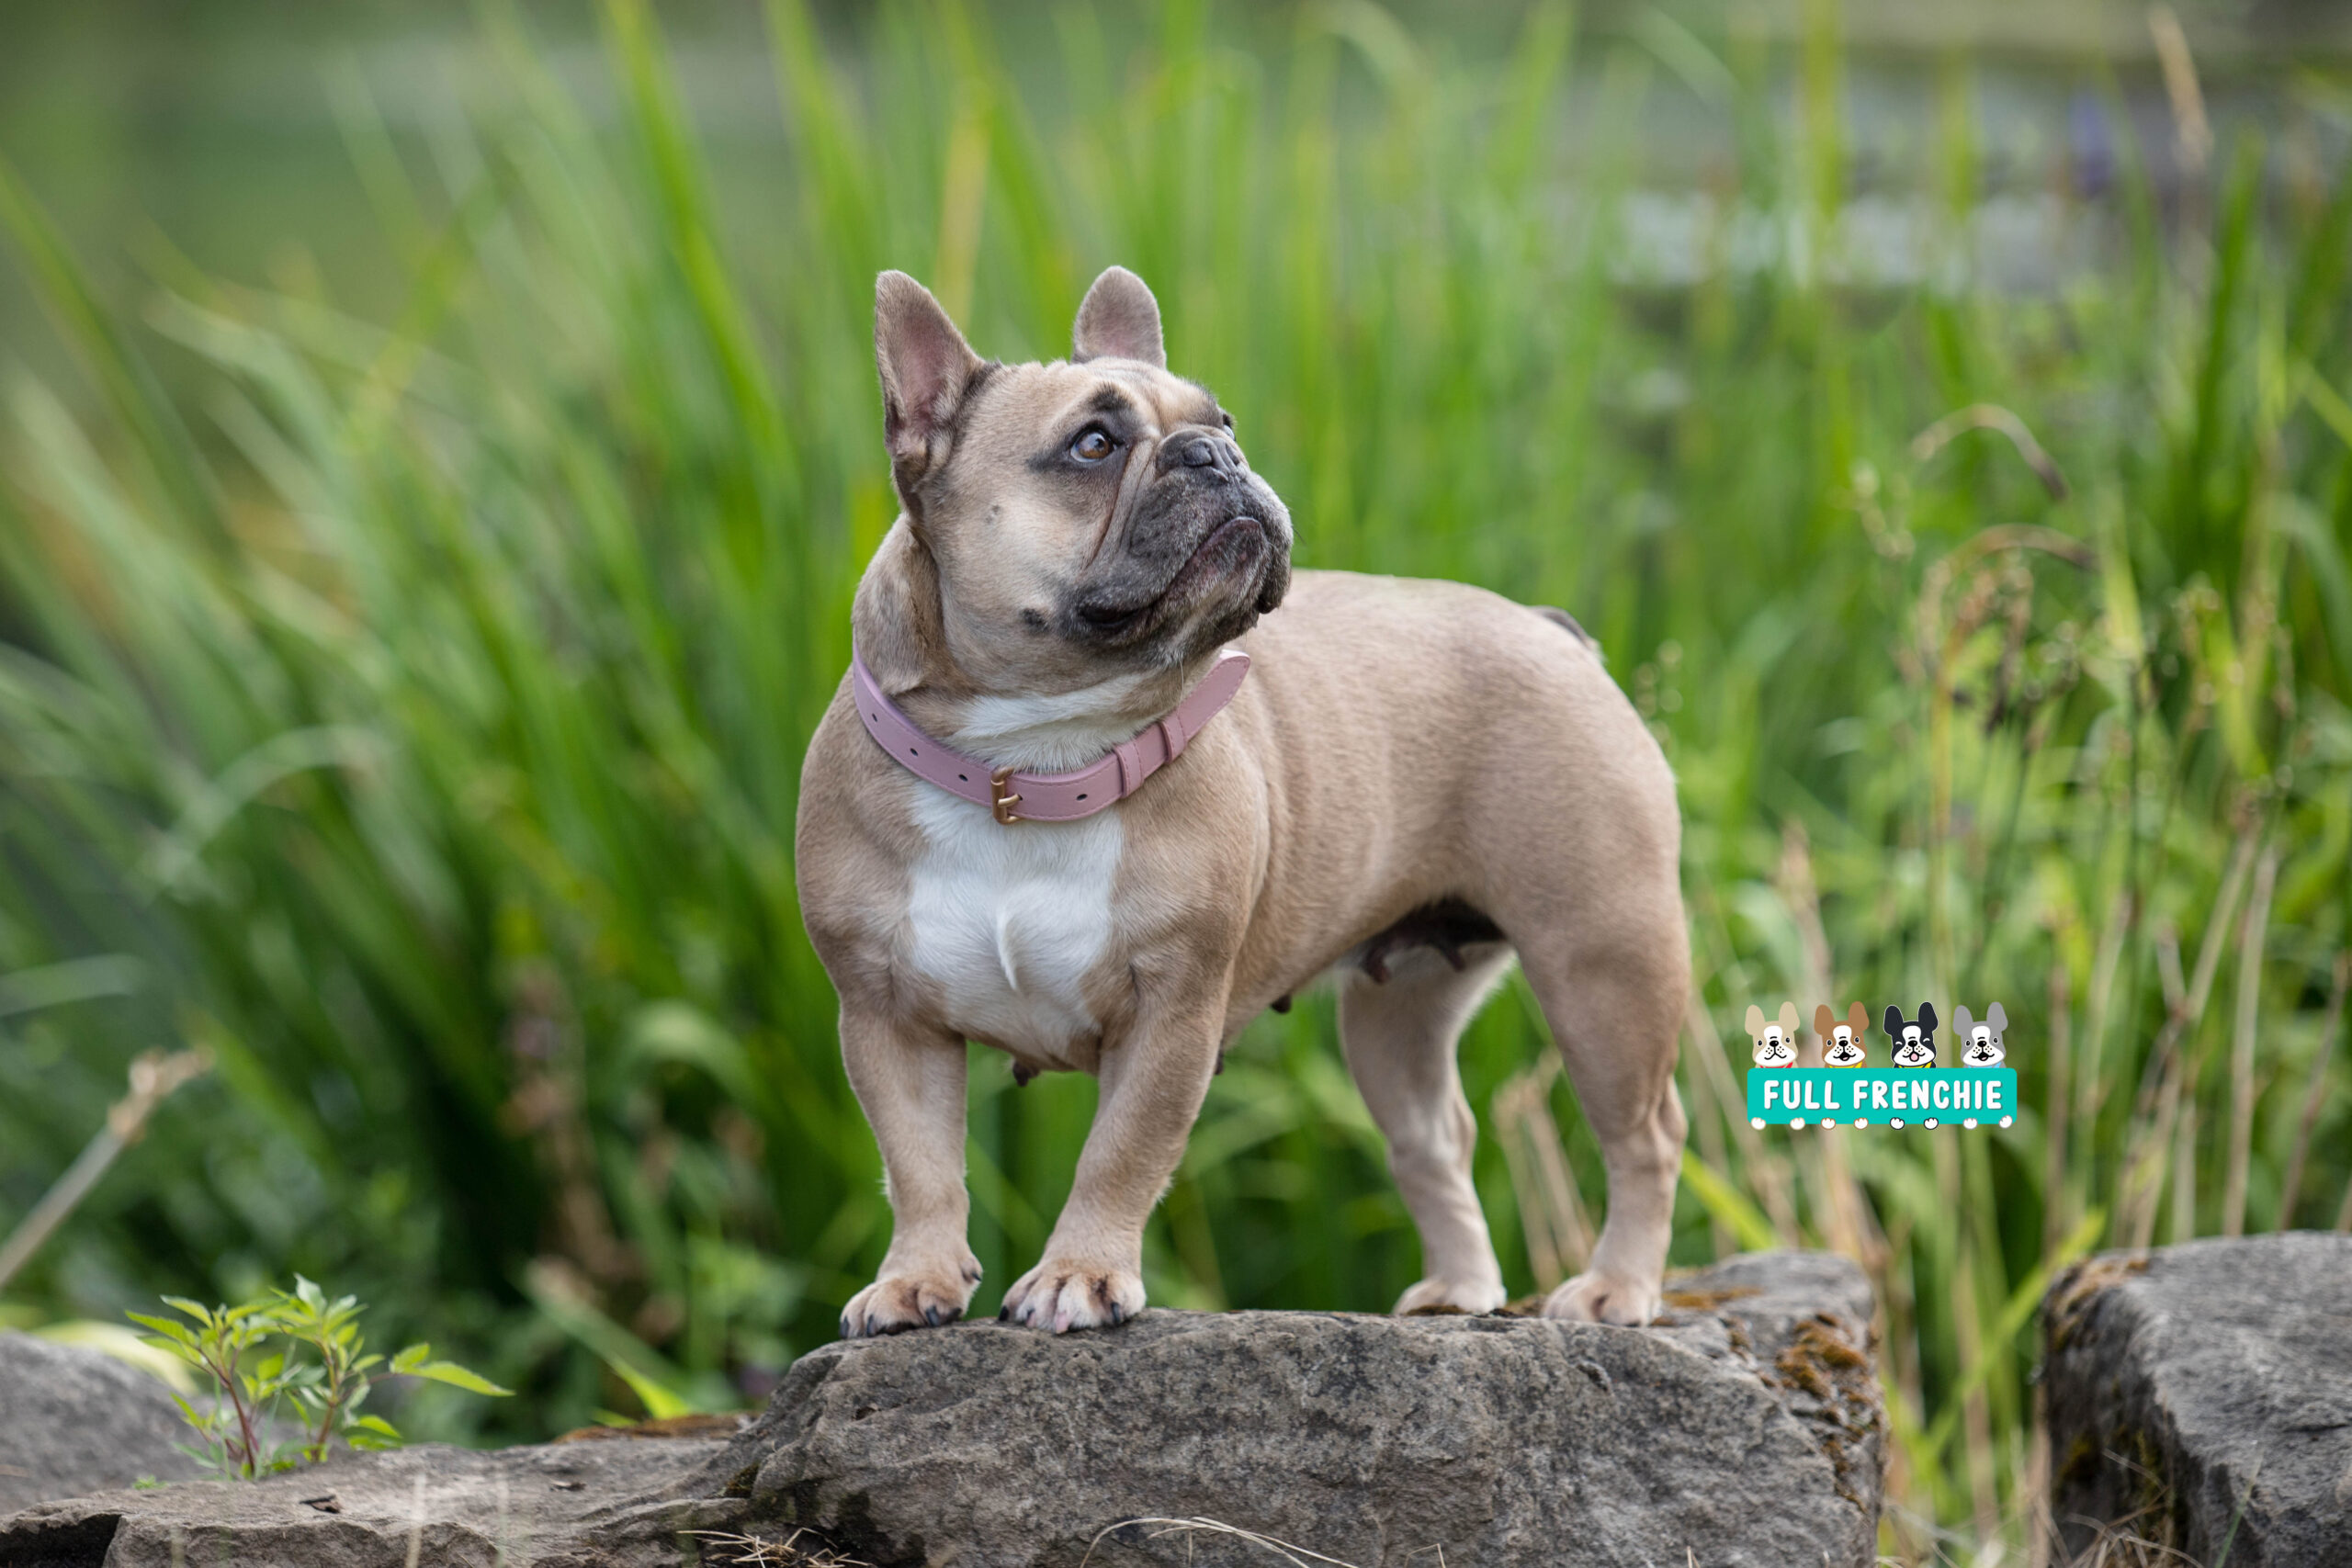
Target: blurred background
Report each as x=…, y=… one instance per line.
x=441, y=442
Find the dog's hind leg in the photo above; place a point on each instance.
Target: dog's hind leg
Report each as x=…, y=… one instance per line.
x=1399, y=1035
x=1615, y=1007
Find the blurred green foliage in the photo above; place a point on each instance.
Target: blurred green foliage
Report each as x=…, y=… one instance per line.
x=411, y=714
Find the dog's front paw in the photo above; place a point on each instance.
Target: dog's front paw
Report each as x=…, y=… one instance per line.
x=1603, y=1298
x=1442, y=1295
x=1064, y=1293
x=910, y=1298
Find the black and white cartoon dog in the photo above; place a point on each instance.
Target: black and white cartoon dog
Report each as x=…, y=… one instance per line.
x=1915, y=1043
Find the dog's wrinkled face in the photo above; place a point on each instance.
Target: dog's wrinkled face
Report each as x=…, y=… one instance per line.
x=1088, y=513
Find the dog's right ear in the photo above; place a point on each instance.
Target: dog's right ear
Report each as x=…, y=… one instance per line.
x=1755, y=1021
x=1960, y=1023
x=926, y=368
x=1824, y=1021
x=1894, y=1022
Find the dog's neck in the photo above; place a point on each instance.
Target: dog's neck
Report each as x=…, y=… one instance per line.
x=902, y=631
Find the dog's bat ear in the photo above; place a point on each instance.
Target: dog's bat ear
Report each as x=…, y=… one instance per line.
x=1118, y=319
x=1788, y=1017
x=1960, y=1023
x=1927, y=1017
x=926, y=368
x=1893, y=1020
x=1858, y=1018
x=1996, y=1017
x=1823, y=1020
x=1755, y=1019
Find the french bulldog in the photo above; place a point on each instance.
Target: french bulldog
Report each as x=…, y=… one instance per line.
x=1776, y=1039
x=1915, y=1039
x=1915, y=1042
x=1417, y=784
x=1841, y=1043
x=1980, y=1039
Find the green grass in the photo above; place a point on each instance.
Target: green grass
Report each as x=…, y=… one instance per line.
x=413, y=713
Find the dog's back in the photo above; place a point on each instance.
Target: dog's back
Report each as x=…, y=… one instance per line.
x=1462, y=746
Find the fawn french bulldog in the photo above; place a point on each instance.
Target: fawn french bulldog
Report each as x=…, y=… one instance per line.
x=1046, y=811
x=1776, y=1039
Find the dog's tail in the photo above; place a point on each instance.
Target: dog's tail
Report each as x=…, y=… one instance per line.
x=1561, y=618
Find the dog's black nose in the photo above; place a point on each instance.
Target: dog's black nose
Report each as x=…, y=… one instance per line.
x=1218, y=453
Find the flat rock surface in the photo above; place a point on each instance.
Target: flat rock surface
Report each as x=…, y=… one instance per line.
x=550, y=1503
x=75, y=1420
x=2204, y=1393
x=1745, y=1427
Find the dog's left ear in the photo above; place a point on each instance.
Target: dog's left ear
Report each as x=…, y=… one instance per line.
x=1118, y=319
x=1927, y=1017
x=1998, y=1019
x=1858, y=1018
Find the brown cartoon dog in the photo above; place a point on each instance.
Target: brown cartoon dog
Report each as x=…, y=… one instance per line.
x=1841, y=1043
x=1046, y=812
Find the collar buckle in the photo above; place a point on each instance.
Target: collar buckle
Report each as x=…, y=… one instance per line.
x=1001, y=800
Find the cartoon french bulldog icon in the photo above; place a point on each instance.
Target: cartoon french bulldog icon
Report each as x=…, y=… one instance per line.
x=1776, y=1040
x=1842, y=1041
x=1980, y=1041
x=1915, y=1043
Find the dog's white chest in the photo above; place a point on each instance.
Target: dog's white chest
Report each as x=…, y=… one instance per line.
x=1008, y=921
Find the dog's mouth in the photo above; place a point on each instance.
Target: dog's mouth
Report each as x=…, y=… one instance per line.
x=1236, y=545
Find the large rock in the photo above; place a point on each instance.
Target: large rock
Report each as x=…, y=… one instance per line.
x=1744, y=1428
x=2200, y=1396
x=75, y=1420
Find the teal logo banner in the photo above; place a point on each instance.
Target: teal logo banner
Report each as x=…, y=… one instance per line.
x=1882, y=1097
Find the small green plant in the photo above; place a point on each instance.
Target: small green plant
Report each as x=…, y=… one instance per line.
x=292, y=1347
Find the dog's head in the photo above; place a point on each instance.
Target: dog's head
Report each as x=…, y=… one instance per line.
x=1842, y=1041
x=1980, y=1039
x=1915, y=1042
x=1776, y=1039
x=1072, y=519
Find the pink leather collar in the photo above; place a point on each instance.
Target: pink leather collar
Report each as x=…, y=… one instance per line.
x=1046, y=797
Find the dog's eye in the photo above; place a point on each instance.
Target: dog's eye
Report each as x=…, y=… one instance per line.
x=1092, y=445
x=1229, y=420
